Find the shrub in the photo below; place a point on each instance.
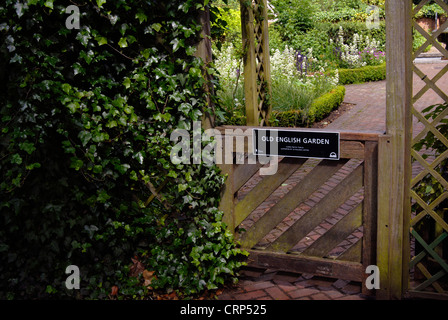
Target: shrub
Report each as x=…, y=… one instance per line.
x=294, y=17
x=363, y=74
x=86, y=176
x=323, y=105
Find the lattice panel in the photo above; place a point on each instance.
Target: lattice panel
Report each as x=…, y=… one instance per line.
x=257, y=61
x=262, y=60
x=429, y=227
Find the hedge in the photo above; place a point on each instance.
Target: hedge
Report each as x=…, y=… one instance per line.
x=361, y=75
x=318, y=110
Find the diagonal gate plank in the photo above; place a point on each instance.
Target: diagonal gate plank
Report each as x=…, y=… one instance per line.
x=340, y=231
x=243, y=173
x=353, y=253
x=301, y=191
x=333, y=200
x=264, y=189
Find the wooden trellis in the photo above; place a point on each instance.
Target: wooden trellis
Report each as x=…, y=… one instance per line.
x=430, y=260
x=411, y=256
x=257, y=83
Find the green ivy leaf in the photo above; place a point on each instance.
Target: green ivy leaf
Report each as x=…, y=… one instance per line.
x=28, y=147
x=123, y=43
x=73, y=107
x=16, y=159
x=141, y=16
x=101, y=40
x=76, y=163
x=85, y=137
x=100, y=2
x=156, y=26
x=127, y=83
x=49, y=4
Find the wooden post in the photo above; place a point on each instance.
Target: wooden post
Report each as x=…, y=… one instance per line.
x=395, y=154
x=204, y=51
x=249, y=61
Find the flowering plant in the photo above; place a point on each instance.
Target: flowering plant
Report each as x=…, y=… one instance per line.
x=362, y=51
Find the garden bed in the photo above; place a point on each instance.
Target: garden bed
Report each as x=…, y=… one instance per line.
x=320, y=108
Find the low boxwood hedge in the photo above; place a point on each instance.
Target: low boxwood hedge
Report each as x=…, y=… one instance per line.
x=318, y=110
x=361, y=75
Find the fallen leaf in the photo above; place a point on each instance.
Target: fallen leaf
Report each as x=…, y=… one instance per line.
x=136, y=268
x=147, y=275
x=114, y=291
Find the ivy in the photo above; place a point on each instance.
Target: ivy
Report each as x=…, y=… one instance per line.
x=86, y=116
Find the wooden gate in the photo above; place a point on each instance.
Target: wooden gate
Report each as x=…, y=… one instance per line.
x=312, y=216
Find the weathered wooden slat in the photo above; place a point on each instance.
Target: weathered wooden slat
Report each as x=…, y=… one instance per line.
x=346, y=135
x=370, y=210
x=352, y=150
x=340, y=231
x=228, y=199
x=309, y=184
x=242, y=141
x=333, y=200
x=299, y=264
x=243, y=173
x=384, y=213
x=353, y=253
x=265, y=188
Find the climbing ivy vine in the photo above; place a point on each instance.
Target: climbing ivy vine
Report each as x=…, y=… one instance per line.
x=86, y=178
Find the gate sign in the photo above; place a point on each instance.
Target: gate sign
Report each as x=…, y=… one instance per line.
x=296, y=143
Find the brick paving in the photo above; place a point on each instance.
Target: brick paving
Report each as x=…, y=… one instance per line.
x=259, y=284
x=367, y=114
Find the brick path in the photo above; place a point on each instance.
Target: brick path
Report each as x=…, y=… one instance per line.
x=367, y=114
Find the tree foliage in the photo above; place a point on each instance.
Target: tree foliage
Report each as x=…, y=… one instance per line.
x=86, y=178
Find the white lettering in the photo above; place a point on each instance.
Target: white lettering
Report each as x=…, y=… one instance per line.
x=373, y=281
x=192, y=310
x=72, y=22
x=72, y=281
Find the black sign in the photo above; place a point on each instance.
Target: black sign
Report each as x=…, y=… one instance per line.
x=296, y=143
